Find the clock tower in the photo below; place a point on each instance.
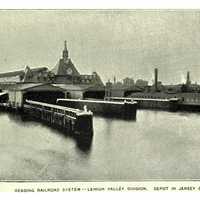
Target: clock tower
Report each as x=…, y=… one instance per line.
x=65, y=65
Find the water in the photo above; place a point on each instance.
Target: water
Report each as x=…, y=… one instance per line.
x=158, y=145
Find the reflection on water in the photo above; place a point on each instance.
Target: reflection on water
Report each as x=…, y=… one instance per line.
x=158, y=145
x=83, y=143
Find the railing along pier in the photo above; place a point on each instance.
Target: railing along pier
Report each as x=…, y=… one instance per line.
x=79, y=122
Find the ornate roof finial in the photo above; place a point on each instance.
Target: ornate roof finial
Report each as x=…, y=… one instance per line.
x=65, y=51
x=65, y=44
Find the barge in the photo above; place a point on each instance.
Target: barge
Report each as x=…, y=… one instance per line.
x=125, y=110
x=171, y=104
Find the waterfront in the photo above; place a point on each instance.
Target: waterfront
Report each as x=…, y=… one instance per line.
x=158, y=145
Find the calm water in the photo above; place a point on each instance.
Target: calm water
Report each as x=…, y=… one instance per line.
x=158, y=145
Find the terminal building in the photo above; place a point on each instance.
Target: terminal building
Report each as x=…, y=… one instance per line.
x=62, y=81
x=64, y=72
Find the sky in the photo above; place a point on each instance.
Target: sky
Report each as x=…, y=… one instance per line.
x=121, y=43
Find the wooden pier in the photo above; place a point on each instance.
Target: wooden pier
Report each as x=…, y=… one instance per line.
x=79, y=122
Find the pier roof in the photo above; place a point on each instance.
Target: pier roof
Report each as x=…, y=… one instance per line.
x=96, y=101
x=3, y=93
x=33, y=86
x=21, y=72
x=10, y=74
x=23, y=86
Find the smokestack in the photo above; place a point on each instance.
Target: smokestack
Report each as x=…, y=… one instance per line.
x=114, y=80
x=188, y=78
x=156, y=79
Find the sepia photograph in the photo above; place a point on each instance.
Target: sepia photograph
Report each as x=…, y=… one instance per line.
x=99, y=95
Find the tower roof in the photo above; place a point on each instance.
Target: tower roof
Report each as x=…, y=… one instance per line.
x=62, y=68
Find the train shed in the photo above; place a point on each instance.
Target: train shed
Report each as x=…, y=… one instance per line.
x=18, y=93
x=82, y=91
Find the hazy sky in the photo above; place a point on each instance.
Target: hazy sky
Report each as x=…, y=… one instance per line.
x=120, y=43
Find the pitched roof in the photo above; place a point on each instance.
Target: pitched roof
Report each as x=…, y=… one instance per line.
x=61, y=68
x=21, y=72
x=10, y=74
x=27, y=86
x=24, y=86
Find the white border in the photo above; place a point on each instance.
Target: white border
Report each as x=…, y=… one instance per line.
x=100, y=4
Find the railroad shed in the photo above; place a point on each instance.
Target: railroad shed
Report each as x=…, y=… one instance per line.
x=81, y=91
x=48, y=93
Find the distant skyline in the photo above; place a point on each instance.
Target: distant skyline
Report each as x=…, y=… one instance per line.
x=120, y=43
